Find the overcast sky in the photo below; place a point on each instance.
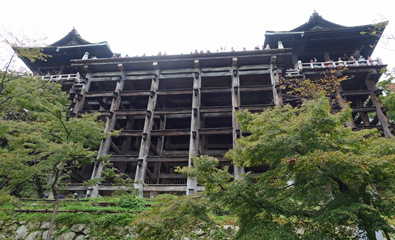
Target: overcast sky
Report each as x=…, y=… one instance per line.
x=144, y=26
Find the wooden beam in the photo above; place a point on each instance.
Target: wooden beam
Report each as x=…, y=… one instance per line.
x=277, y=97
x=371, y=85
x=236, y=127
x=115, y=148
x=151, y=188
x=106, y=143
x=172, y=176
x=148, y=123
x=79, y=99
x=98, y=94
x=195, y=124
x=150, y=174
x=174, y=92
x=342, y=103
x=216, y=131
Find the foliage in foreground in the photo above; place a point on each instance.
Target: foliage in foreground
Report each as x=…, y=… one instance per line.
x=36, y=139
x=388, y=98
x=96, y=216
x=324, y=180
x=178, y=217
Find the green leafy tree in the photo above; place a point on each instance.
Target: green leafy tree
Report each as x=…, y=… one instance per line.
x=388, y=99
x=324, y=180
x=177, y=218
x=39, y=145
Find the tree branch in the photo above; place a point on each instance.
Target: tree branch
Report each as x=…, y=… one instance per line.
x=23, y=93
x=5, y=72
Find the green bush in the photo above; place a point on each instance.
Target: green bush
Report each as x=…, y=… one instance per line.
x=6, y=199
x=74, y=218
x=130, y=201
x=118, y=219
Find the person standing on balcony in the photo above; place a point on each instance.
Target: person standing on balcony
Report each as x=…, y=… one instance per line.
x=362, y=60
x=369, y=60
x=280, y=45
x=340, y=62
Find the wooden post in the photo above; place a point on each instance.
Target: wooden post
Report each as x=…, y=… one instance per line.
x=371, y=85
x=159, y=150
x=295, y=61
x=277, y=96
x=300, y=66
x=236, y=132
x=80, y=98
x=343, y=102
x=106, y=143
x=195, y=124
x=146, y=138
x=364, y=116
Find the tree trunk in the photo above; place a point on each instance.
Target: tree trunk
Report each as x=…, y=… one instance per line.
x=371, y=234
x=55, y=191
x=387, y=236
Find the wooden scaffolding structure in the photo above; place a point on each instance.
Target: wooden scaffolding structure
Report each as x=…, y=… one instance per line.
x=169, y=109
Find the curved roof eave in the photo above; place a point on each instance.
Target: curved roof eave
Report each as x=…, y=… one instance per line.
x=72, y=38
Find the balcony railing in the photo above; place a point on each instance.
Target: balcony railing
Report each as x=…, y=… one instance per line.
x=330, y=64
x=63, y=78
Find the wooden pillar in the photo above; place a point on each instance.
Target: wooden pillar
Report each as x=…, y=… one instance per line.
x=126, y=143
x=146, y=137
x=195, y=124
x=277, y=96
x=342, y=101
x=79, y=99
x=371, y=85
x=159, y=148
x=236, y=132
x=363, y=115
x=106, y=143
x=295, y=61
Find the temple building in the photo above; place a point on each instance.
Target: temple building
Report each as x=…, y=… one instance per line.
x=171, y=108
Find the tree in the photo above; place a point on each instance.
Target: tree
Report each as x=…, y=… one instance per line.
x=177, y=218
x=388, y=99
x=38, y=142
x=324, y=180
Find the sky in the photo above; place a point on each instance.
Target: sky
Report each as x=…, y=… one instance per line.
x=181, y=26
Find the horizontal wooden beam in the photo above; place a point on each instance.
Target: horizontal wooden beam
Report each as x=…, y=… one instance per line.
x=172, y=176
x=131, y=112
x=367, y=109
x=174, y=92
x=215, y=131
x=355, y=93
x=176, y=75
x=215, y=109
x=168, y=188
x=135, y=93
x=173, y=111
x=99, y=94
x=171, y=132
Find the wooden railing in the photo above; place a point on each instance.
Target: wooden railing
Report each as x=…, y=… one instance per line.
x=330, y=64
x=63, y=77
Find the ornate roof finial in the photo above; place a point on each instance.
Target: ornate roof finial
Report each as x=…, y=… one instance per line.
x=315, y=14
